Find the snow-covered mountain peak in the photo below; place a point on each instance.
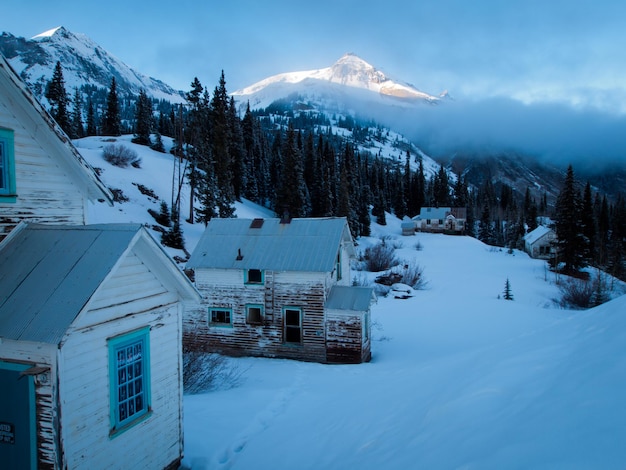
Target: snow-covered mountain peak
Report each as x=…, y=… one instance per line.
x=51, y=32
x=84, y=62
x=348, y=73
x=352, y=70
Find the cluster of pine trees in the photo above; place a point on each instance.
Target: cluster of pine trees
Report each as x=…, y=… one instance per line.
x=591, y=231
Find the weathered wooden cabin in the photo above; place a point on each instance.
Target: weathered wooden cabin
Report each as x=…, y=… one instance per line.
x=539, y=243
x=43, y=178
x=90, y=348
x=279, y=288
x=450, y=220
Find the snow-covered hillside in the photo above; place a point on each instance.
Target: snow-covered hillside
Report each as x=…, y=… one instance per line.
x=349, y=80
x=459, y=378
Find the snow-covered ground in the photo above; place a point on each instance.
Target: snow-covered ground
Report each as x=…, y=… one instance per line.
x=459, y=379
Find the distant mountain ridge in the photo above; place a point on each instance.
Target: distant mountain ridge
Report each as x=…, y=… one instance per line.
x=349, y=79
x=84, y=63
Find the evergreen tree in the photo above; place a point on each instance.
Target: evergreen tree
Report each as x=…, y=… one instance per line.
x=220, y=149
x=588, y=226
x=508, y=295
x=77, y=128
x=92, y=128
x=143, y=120
x=291, y=193
x=485, y=232
x=58, y=99
x=111, y=123
x=174, y=236
x=570, y=240
x=158, y=143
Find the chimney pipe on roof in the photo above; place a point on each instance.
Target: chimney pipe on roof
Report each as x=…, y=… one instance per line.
x=239, y=255
x=286, y=219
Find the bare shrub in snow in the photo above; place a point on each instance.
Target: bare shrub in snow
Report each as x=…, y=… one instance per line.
x=120, y=155
x=411, y=274
x=576, y=293
x=379, y=257
x=203, y=372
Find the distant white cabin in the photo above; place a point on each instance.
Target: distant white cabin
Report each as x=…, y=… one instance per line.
x=279, y=288
x=539, y=243
x=43, y=178
x=450, y=220
x=90, y=349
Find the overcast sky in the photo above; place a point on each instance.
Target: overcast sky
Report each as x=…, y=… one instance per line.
x=569, y=54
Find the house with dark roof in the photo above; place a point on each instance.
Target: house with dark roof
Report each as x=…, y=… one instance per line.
x=279, y=288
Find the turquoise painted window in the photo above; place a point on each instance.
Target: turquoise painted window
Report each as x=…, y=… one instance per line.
x=338, y=266
x=254, y=314
x=7, y=166
x=129, y=368
x=254, y=276
x=220, y=317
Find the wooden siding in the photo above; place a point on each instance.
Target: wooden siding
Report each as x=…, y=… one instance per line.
x=344, y=338
x=45, y=395
x=84, y=376
x=226, y=289
x=45, y=193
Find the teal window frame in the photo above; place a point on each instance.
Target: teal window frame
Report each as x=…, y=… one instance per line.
x=338, y=266
x=247, y=280
x=7, y=166
x=129, y=368
x=262, y=314
x=228, y=313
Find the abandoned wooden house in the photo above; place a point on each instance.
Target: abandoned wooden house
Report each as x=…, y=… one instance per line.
x=450, y=220
x=90, y=341
x=539, y=243
x=43, y=178
x=81, y=309
x=279, y=288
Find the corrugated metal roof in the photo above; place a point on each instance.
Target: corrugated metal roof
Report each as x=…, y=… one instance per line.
x=432, y=213
x=48, y=273
x=353, y=298
x=301, y=245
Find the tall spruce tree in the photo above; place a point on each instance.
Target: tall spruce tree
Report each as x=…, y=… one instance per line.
x=112, y=123
x=220, y=149
x=292, y=191
x=78, y=130
x=570, y=240
x=58, y=99
x=92, y=126
x=143, y=119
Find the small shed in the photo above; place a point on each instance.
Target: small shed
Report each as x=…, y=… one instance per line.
x=348, y=334
x=90, y=349
x=539, y=243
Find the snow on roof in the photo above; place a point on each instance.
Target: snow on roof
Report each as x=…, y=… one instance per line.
x=351, y=298
x=300, y=245
x=534, y=235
